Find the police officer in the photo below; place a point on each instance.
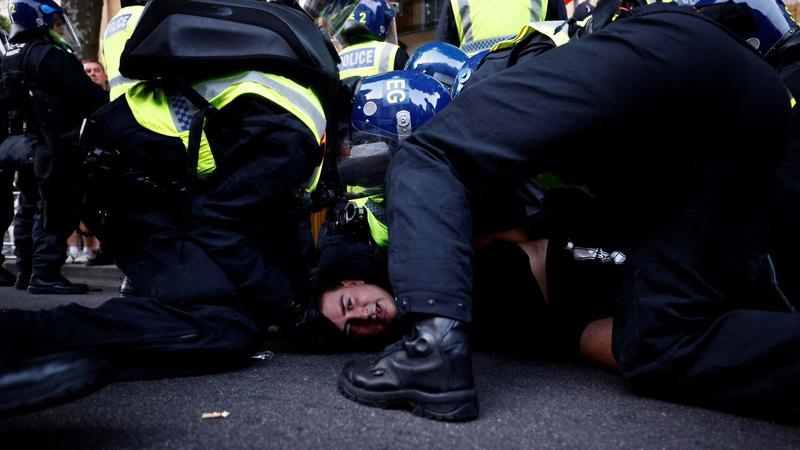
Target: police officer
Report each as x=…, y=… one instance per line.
x=371, y=38
x=44, y=80
x=7, y=168
x=118, y=30
x=477, y=25
x=685, y=203
x=196, y=179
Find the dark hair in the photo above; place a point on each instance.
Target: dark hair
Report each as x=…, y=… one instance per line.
x=345, y=258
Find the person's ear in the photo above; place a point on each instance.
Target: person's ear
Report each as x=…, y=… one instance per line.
x=352, y=282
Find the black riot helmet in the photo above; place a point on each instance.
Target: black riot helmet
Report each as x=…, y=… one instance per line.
x=30, y=18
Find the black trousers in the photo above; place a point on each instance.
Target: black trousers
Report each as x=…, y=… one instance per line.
x=37, y=251
x=218, y=271
x=136, y=334
x=686, y=203
x=6, y=200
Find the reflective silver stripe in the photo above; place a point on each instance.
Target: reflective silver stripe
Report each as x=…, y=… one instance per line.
x=383, y=66
x=466, y=20
x=484, y=44
x=537, y=15
x=116, y=81
x=211, y=89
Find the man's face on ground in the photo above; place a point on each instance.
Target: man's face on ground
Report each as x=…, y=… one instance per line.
x=95, y=72
x=359, y=309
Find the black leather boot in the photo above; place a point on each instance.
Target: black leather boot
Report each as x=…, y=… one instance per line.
x=57, y=285
x=429, y=372
x=127, y=288
x=23, y=280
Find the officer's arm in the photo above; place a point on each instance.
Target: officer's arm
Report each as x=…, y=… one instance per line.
x=67, y=73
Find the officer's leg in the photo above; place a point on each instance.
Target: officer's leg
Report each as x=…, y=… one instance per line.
x=785, y=238
x=6, y=216
x=49, y=252
x=243, y=220
x=676, y=335
x=135, y=331
x=72, y=349
x=695, y=318
x=23, y=226
x=150, y=248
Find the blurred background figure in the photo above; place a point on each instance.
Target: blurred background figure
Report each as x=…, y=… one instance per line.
x=96, y=72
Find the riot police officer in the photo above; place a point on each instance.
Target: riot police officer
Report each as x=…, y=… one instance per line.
x=43, y=80
x=370, y=36
x=685, y=203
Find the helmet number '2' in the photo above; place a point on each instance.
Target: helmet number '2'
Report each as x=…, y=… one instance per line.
x=395, y=91
x=362, y=16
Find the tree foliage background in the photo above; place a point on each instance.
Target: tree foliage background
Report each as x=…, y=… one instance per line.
x=86, y=16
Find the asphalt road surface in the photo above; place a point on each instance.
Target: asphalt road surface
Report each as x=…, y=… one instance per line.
x=291, y=401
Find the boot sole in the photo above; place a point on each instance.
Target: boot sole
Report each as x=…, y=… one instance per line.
x=453, y=406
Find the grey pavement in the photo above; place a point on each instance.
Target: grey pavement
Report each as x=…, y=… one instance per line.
x=291, y=401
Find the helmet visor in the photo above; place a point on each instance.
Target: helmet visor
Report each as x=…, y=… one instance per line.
x=363, y=164
x=330, y=15
x=63, y=31
x=3, y=43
